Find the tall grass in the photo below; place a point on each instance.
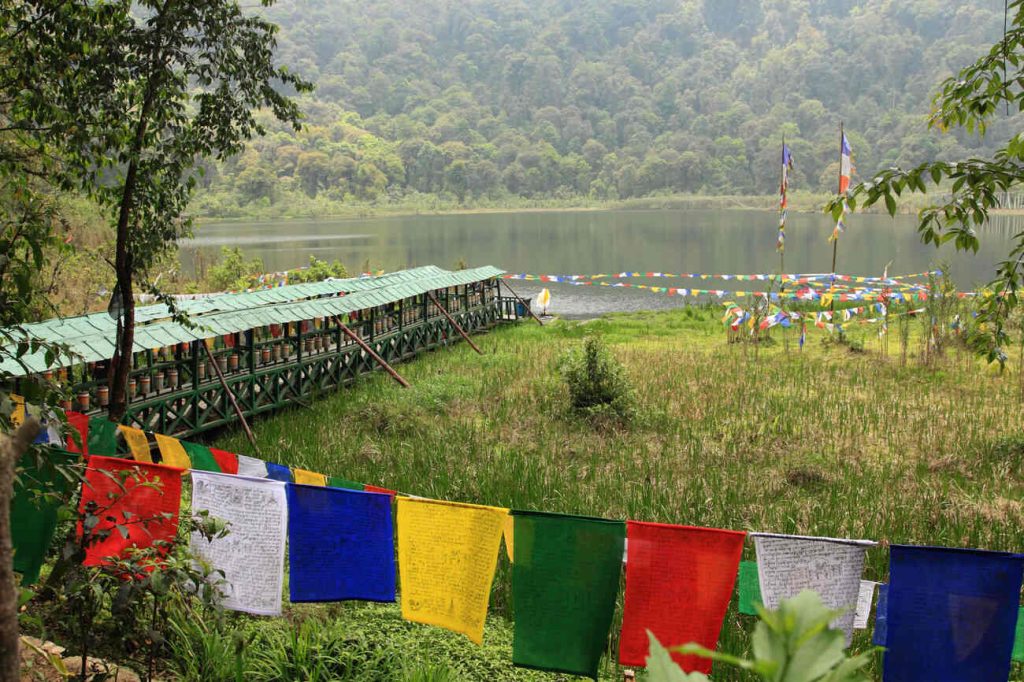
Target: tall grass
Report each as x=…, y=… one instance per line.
x=821, y=442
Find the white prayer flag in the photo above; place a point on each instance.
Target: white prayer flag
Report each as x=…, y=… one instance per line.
x=252, y=553
x=790, y=564
x=250, y=466
x=864, y=599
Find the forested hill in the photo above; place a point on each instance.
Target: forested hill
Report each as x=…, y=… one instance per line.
x=604, y=98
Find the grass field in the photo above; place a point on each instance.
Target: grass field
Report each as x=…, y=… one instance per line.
x=827, y=441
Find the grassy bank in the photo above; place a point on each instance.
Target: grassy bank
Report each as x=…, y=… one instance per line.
x=824, y=442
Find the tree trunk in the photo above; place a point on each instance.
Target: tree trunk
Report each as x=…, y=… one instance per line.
x=12, y=447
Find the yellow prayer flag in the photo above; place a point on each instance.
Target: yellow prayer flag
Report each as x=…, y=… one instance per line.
x=447, y=553
x=137, y=443
x=172, y=453
x=18, y=415
x=308, y=477
x=508, y=532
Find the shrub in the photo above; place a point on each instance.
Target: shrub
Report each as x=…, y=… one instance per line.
x=596, y=381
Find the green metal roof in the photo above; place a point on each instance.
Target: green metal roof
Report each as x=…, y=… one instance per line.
x=92, y=336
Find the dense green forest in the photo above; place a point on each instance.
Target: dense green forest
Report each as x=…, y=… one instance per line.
x=505, y=100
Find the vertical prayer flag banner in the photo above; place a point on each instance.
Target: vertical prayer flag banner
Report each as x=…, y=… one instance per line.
x=565, y=580
x=172, y=453
x=341, y=545
x=143, y=498
x=137, y=442
x=102, y=437
x=447, y=553
x=250, y=466
x=749, y=588
x=38, y=494
x=304, y=477
x=669, y=566
x=789, y=564
x=251, y=555
x=951, y=613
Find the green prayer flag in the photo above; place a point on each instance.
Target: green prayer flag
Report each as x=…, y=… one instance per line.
x=565, y=579
x=102, y=437
x=34, y=514
x=201, y=457
x=750, y=588
x=1018, y=640
x=335, y=482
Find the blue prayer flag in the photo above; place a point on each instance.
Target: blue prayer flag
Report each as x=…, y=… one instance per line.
x=341, y=545
x=881, y=616
x=951, y=613
x=279, y=472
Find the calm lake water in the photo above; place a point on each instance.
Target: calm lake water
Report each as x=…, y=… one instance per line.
x=587, y=242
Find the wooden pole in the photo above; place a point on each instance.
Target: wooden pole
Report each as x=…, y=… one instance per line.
x=455, y=324
x=231, y=397
x=525, y=304
x=372, y=353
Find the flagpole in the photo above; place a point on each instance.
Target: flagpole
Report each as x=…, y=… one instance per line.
x=783, y=189
x=835, y=242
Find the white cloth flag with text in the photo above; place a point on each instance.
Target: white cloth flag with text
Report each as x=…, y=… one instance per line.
x=252, y=553
x=790, y=564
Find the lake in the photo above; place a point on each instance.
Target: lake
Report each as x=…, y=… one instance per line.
x=588, y=242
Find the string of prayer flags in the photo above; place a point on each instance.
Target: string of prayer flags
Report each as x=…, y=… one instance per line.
x=251, y=467
x=951, y=613
x=38, y=494
x=278, y=472
x=102, y=437
x=137, y=442
x=565, y=580
x=668, y=566
x=447, y=553
x=304, y=477
x=172, y=453
x=789, y=564
x=251, y=555
x=749, y=588
x=136, y=503
x=341, y=545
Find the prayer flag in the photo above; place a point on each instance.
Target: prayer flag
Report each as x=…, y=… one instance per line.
x=378, y=489
x=80, y=423
x=137, y=442
x=200, y=456
x=749, y=589
x=341, y=545
x=951, y=613
x=279, y=472
x=508, y=535
x=38, y=493
x=142, y=498
x=845, y=165
x=789, y=564
x=172, y=453
x=336, y=482
x=228, y=461
x=102, y=437
x=787, y=165
x=668, y=566
x=565, y=580
x=250, y=466
x=447, y=553
x=881, y=616
x=251, y=555
x=304, y=477
x=1018, y=639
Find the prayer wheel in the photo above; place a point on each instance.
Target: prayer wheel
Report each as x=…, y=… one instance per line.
x=144, y=383
x=83, y=400
x=233, y=362
x=103, y=395
x=172, y=379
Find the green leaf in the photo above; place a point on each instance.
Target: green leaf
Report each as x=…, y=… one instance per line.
x=890, y=204
x=661, y=667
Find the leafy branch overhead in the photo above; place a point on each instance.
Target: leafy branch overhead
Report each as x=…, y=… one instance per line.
x=991, y=87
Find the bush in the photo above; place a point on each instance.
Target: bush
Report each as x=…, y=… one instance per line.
x=596, y=380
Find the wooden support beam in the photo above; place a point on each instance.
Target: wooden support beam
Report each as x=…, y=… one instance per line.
x=372, y=353
x=231, y=397
x=455, y=324
x=525, y=304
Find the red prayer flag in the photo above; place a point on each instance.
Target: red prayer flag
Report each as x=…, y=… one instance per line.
x=679, y=580
x=376, y=489
x=227, y=461
x=144, y=504
x=80, y=423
